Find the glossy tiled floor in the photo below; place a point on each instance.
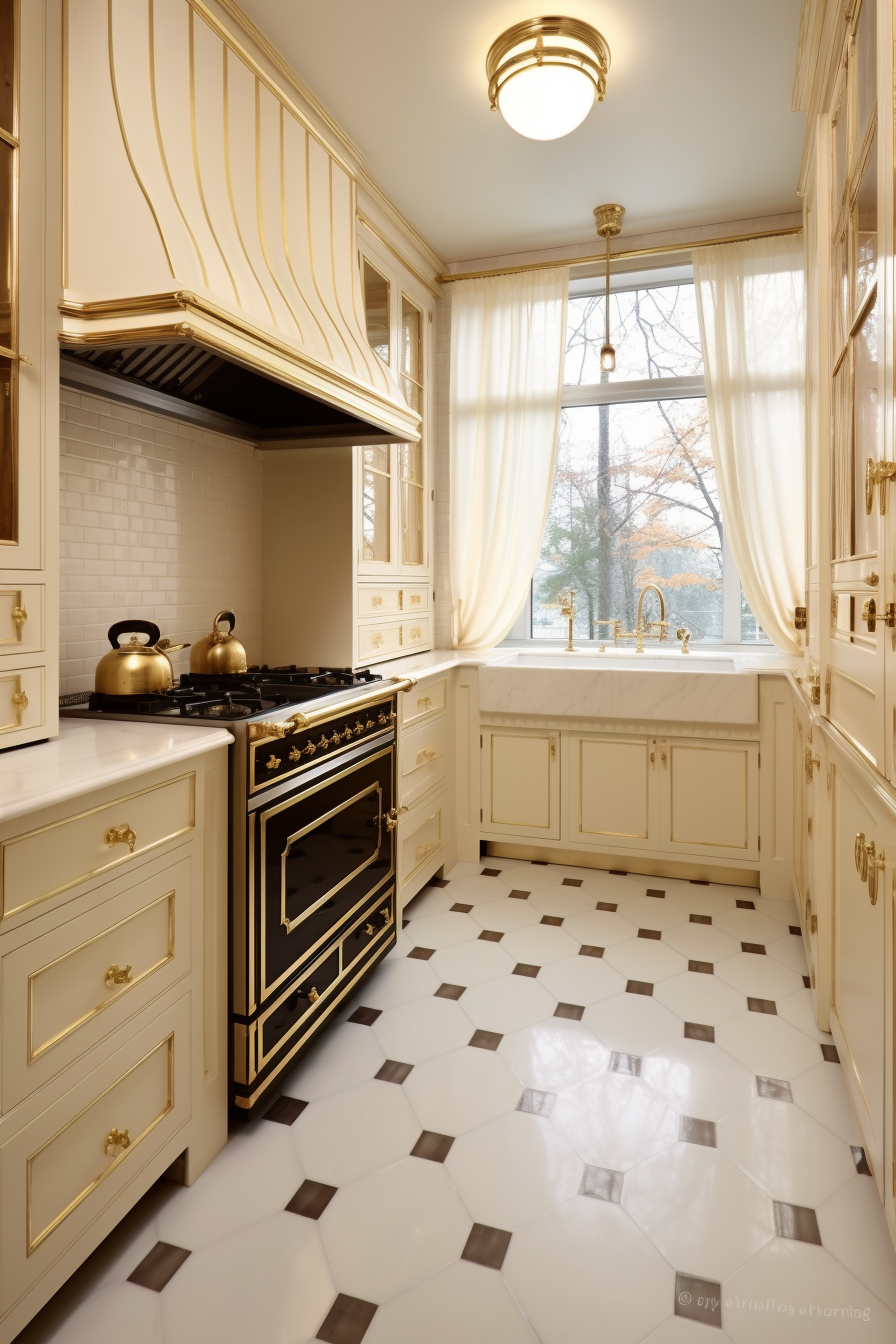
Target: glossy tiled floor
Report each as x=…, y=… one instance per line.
x=570, y=1107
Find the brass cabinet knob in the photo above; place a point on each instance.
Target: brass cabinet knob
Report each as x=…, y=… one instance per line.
x=121, y=835
x=20, y=703
x=117, y=975
x=310, y=748
x=370, y=930
x=116, y=1141
x=313, y=995
x=386, y=913
x=295, y=754
x=370, y=723
x=324, y=742
x=391, y=817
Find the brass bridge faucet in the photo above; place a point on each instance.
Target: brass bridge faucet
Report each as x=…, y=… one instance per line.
x=641, y=631
x=569, y=611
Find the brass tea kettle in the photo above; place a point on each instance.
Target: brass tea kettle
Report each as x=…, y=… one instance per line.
x=220, y=652
x=135, y=668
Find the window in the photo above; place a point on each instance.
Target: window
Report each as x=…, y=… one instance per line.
x=377, y=303
x=634, y=498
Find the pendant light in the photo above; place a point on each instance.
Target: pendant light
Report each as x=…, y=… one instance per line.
x=609, y=223
x=545, y=74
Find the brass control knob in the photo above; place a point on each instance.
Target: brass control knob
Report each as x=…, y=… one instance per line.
x=273, y=762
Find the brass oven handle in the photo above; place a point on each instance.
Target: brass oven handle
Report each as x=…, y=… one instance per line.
x=121, y=835
x=117, y=975
x=391, y=817
x=114, y=1140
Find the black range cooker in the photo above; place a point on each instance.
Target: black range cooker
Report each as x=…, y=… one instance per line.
x=312, y=844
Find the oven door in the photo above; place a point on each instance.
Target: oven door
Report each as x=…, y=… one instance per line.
x=319, y=855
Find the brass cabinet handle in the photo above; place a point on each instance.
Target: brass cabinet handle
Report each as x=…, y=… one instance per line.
x=391, y=817
x=376, y=601
x=121, y=835
x=20, y=703
x=313, y=995
x=427, y=755
x=811, y=917
x=416, y=632
x=872, y=579
x=117, y=975
x=19, y=617
x=378, y=640
x=370, y=930
x=811, y=762
x=386, y=913
x=877, y=474
x=860, y=854
x=876, y=865
x=416, y=599
x=114, y=1140
x=422, y=850
x=553, y=747
x=425, y=702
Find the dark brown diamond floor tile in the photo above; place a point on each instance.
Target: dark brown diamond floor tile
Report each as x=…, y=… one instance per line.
x=539, y=863
x=348, y=1321
x=699, y=1031
x=536, y=1103
x=365, y=1016
x=523, y=968
x=618, y=872
x=449, y=991
x=422, y=953
x=602, y=1183
x=311, y=1198
x=701, y=919
x=861, y=1161
x=393, y=1071
x=486, y=1040
x=461, y=909
x=691, y=1130
x=775, y=1088
x=700, y=967
x=796, y=1223
x=586, y=950
x=698, y=1300
x=491, y=872
x=762, y=1006
x=656, y=893
x=829, y=1054
x=574, y=1011
x=486, y=1246
x=795, y=930
x=622, y=1063
x=745, y=905
x=756, y=948
x=699, y=881
x=437, y=882
x=520, y=895
x=554, y=920
x=638, y=987
x=159, y=1266
x=433, y=1147
x=650, y=933
x=286, y=1110
x=491, y=936
x=571, y=882
x=610, y=906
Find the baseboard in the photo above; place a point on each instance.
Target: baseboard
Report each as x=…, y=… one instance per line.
x=693, y=871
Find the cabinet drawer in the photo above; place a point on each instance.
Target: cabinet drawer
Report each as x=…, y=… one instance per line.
x=415, y=632
x=44, y=862
x=423, y=701
x=422, y=759
x=21, y=697
x=379, y=601
x=415, y=599
x=421, y=837
x=21, y=617
x=60, y=1171
x=68, y=988
x=377, y=641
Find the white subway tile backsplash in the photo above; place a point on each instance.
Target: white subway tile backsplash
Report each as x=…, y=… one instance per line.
x=159, y=519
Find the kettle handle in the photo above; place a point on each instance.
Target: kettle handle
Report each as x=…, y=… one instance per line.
x=227, y=616
x=130, y=627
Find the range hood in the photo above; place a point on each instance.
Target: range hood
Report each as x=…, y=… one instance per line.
x=210, y=251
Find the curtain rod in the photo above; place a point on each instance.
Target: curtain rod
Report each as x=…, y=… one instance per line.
x=667, y=248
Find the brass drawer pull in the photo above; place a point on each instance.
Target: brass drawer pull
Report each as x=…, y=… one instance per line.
x=117, y=975
x=812, y=762
x=370, y=930
x=20, y=703
x=378, y=640
x=425, y=703
x=19, y=617
x=386, y=913
x=376, y=601
x=115, y=1140
x=876, y=865
x=416, y=599
x=416, y=632
x=121, y=835
x=391, y=817
x=422, y=850
x=427, y=755
x=811, y=917
x=860, y=854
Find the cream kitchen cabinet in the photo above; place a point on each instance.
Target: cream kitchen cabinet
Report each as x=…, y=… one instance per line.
x=425, y=785
x=521, y=783
x=709, y=798
x=610, y=788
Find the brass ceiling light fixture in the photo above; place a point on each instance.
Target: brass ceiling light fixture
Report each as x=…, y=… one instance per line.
x=544, y=75
x=609, y=223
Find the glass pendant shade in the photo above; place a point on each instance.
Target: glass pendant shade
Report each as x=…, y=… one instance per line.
x=545, y=74
x=607, y=359
x=544, y=102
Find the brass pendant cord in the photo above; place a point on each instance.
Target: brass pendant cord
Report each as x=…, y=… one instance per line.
x=607, y=291
x=668, y=249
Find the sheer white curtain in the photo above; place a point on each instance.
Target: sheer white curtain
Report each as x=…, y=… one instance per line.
x=751, y=305
x=507, y=346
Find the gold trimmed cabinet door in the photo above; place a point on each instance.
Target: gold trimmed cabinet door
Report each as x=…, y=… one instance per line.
x=610, y=791
x=709, y=798
x=521, y=783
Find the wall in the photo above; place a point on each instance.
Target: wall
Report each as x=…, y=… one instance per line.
x=442, y=474
x=159, y=519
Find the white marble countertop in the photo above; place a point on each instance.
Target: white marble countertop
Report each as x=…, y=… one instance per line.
x=88, y=755
x=764, y=662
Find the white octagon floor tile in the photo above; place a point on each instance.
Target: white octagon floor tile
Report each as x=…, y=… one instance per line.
x=600, y=928
x=795, y=1293
x=798, y=1011
x=503, y=915
x=396, y=982
x=270, y=1282
x=539, y=945
x=461, y=1090
x=353, y=1133
x=614, y=1120
x=102, y=1316
x=468, y=870
x=422, y=1030
x=767, y=1045
x=649, y=912
x=680, y=1330
x=513, y=1170
x=402, y=946
x=554, y=1054
x=854, y=1229
x=822, y=1092
x=508, y=1004
x=749, y=926
x=788, y=1153
x=393, y=1229
x=784, y=912
x=581, y=980
x=700, y=998
x=562, y=901
x=476, y=890
x=790, y=952
x=701, y=942
x=706, y=1217
x=698, y=1079
x=585, y=1272
x=463, y=1302
x=470, y=963
x=759, y=976
x=442, y=930
x=252, y=1178
x=645, y=959
x=605, y=886
x=634, y=1023
x=346, y=1055
x=701, y=900
x=430, y=901
x=549, y=875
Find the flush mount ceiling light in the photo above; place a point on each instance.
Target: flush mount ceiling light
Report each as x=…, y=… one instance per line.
x=609, y=221
x=544, y=75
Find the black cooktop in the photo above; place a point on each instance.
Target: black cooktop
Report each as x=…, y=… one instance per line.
x=236, y=696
